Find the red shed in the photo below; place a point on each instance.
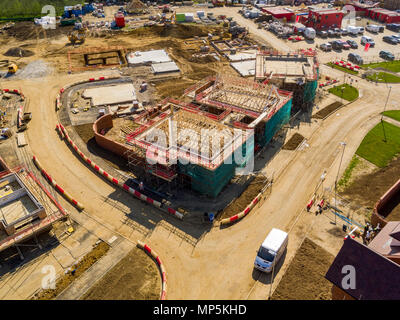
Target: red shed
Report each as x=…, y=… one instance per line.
x=364, y=7
x=325, y=19
x=384, y=15
x=279, y=13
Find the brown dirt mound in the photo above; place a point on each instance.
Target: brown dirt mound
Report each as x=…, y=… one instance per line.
x=27, y=30
x=321, y=114
x=293, y=142
x=305, y=276
x=245, y=198
x=135, y=277
x=18, y=52
x=65, y=280
x=367, y=189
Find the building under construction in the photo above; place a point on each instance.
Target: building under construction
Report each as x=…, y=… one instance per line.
x=296, y=72
x=200, y=143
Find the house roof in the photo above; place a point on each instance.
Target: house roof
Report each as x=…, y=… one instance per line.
x=377, y=278
x=386, y=242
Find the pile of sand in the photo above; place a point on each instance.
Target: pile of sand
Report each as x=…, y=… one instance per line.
x=18, y=52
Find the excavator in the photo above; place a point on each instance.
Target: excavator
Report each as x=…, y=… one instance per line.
x=77, y=36
x=10, y=66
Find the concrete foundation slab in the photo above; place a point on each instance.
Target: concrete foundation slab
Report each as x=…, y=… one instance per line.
x=100, y=96
x=245, y=68
x=243, y=55
x=164, y=67
x=143, y=57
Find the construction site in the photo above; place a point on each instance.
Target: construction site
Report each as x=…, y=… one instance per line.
x=177, y=133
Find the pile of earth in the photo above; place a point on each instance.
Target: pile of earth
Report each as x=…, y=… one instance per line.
x=18, y=52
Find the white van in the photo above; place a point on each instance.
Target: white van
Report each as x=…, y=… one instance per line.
x=309, y=33
x=271, y=250
x=372, y=28
x=353, y=30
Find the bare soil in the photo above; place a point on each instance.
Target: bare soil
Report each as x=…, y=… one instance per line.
x=135, y=277
x=85, y=132
x=240, y=203
x=27, y=30
x=368, y=188
x=64, y=281
x=321, y=114
x=305, y=276
x=293, y=142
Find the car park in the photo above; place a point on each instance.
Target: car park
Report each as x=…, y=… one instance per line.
x=384, y=54
x=366, y=39
x=352, y=44
x=390, y=39
x=326, y=46
x=355, y=58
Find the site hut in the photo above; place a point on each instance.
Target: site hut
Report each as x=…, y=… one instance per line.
x=279, y=13
x=297, y=72
x=384, y=15
x=204, y=141
x=362, y=9
x=322, y=19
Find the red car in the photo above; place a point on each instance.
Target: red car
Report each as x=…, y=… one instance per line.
x=345, y=45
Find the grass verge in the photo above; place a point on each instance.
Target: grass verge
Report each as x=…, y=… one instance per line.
x=393, y=66
x=384, y=77
x=381, y=144
x=65, y=280
x=394, y=114
x=345, y=91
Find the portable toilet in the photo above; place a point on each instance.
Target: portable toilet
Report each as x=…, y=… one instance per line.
x=120, y=20
x=180, y=17
x=189, y=17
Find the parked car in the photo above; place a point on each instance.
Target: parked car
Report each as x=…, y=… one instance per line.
x=345, y=45
x=337, y=31
x=355, y=58
x=396, y=37
x=322, y=34
x=337, y=45
x=384, y=54
x=326, y=46
x=344, y=32
x=393, y=27
x=361, y=30
x=366, y=39
x=331, y=33
x=352, y=44
x=271, y=250
x=381, y=29
x=390, y=39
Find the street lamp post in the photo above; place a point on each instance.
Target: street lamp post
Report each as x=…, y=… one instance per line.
x=384, y=109
x=337, y=176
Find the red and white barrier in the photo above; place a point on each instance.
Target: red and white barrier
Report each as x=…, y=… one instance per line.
x=56, y=186
x=244, y=212
x=163, y=272
x=110, y=178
